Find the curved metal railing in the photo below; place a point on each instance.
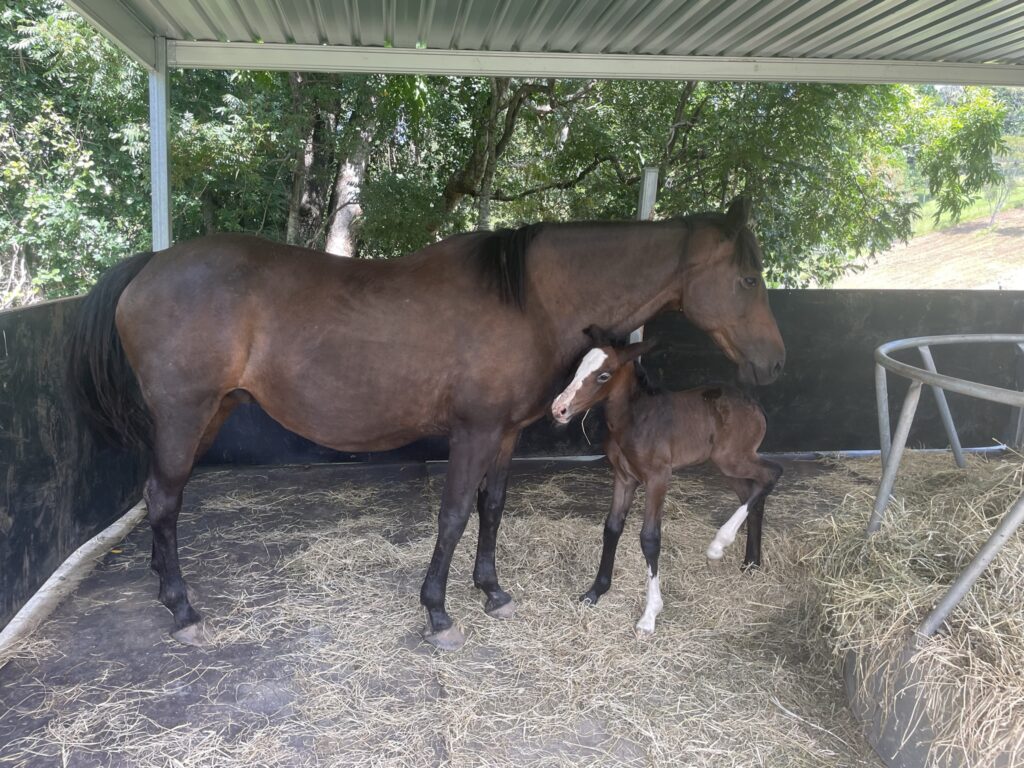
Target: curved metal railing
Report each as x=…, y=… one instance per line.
x=893, y=445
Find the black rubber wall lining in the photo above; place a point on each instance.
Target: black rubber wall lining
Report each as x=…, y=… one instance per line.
x=824, y=401
x=58, y=488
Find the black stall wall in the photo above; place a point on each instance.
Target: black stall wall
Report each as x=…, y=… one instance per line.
x=59, y=488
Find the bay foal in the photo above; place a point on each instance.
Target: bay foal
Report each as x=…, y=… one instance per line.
x=649, y=435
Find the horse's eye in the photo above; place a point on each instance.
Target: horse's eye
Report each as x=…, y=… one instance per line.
x=602, y=378
x=750, y=282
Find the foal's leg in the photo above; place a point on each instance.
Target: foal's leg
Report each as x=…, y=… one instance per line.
x=622, y=498
x=490, y=503
x=770, y=473
x=469, y=455
x=650, y=543
x=726, y=535
x=752, y=480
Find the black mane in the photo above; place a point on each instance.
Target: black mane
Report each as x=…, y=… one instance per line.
x=643, y=380
x=502, y=260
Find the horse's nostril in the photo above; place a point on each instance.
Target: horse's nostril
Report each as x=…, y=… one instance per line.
x=777, y=368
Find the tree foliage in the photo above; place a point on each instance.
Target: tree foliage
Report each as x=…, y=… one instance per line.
x=377, y=166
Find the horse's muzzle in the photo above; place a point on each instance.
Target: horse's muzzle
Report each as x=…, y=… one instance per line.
x=561, y=413
x=753, y=374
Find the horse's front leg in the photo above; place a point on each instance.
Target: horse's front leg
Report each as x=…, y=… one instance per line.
x=622, y=498
x=469, y=455
x=650, y=543
x=490, y=504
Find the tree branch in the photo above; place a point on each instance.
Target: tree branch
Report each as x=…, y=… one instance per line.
x=562, y=184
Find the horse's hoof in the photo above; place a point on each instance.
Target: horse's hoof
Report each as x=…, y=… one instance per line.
x=715, y=551
x=644, y=632
x=503, y=611
x=450, y=639
x=589, y=598
x=750, y=567
x=193, y=634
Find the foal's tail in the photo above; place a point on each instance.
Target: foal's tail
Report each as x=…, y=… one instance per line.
x=102, y=384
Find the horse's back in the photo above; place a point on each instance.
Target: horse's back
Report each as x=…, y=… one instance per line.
x=331, y=347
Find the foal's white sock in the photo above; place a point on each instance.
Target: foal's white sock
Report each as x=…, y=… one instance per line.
x=653, y=606
x=726, y=534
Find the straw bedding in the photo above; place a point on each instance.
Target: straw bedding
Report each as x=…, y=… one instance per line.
x=315, y=657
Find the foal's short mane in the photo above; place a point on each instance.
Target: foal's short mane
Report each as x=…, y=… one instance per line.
x=502, y=260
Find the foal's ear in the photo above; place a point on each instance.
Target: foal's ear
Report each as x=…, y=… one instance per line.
x=598, y=335
x=738, y=212
x=633, y=351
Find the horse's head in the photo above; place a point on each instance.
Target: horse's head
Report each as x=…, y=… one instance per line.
x=597, y=373
x=724, y=293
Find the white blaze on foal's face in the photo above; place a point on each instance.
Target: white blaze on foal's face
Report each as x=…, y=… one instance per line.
x=561, y=409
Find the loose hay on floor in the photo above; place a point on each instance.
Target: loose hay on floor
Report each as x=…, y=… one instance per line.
x=876, y=592
x=316, y=658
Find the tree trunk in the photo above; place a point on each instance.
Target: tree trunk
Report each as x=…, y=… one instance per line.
x=303, y=159
x=208, y=210
x=345, y=206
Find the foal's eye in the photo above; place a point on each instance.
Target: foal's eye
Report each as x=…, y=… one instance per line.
x=602, y=378
x=750, y=282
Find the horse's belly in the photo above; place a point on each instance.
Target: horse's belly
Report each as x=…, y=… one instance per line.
x=352, y=418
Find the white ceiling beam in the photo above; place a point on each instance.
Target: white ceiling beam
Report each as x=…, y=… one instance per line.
x=323, y=58
x=120, y=26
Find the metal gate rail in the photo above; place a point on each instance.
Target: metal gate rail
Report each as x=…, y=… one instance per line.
x=893, y=445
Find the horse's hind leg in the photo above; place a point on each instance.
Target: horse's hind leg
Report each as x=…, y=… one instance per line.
x=176, y=439
x=771, y=472
x=490, y=504
x=752, y=481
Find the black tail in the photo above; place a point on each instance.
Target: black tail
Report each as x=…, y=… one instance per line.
x=103, y=386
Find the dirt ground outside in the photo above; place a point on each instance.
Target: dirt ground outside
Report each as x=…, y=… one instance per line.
x=972, y=255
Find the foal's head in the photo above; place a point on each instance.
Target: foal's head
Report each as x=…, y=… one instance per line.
x=598, y=371
x=724, y=293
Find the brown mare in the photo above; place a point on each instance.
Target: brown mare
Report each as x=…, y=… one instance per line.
x=649, y=435
x=468, y=338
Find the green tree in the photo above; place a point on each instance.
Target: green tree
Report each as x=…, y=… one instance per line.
x=65, y=212
x=377, y=166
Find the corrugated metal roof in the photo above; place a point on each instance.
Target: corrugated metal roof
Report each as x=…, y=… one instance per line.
x=943, y=34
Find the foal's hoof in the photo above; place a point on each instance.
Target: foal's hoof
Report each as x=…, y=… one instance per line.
x=715, y=551
x=504, y=611
x=589, y=598
x=643, y=632
x=450, y=639
x=193, y=634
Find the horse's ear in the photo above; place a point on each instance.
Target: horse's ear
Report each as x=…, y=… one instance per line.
x=598, y=335
x=738, y=212
x=633, y=351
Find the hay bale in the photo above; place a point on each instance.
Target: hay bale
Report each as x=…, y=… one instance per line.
x=875, y=592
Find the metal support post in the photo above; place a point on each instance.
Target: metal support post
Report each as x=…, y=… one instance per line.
x=159, y=152
x=645, y=212
x=940, y=401
x=892, y=464
x=1007, y=526
x=882, y=404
